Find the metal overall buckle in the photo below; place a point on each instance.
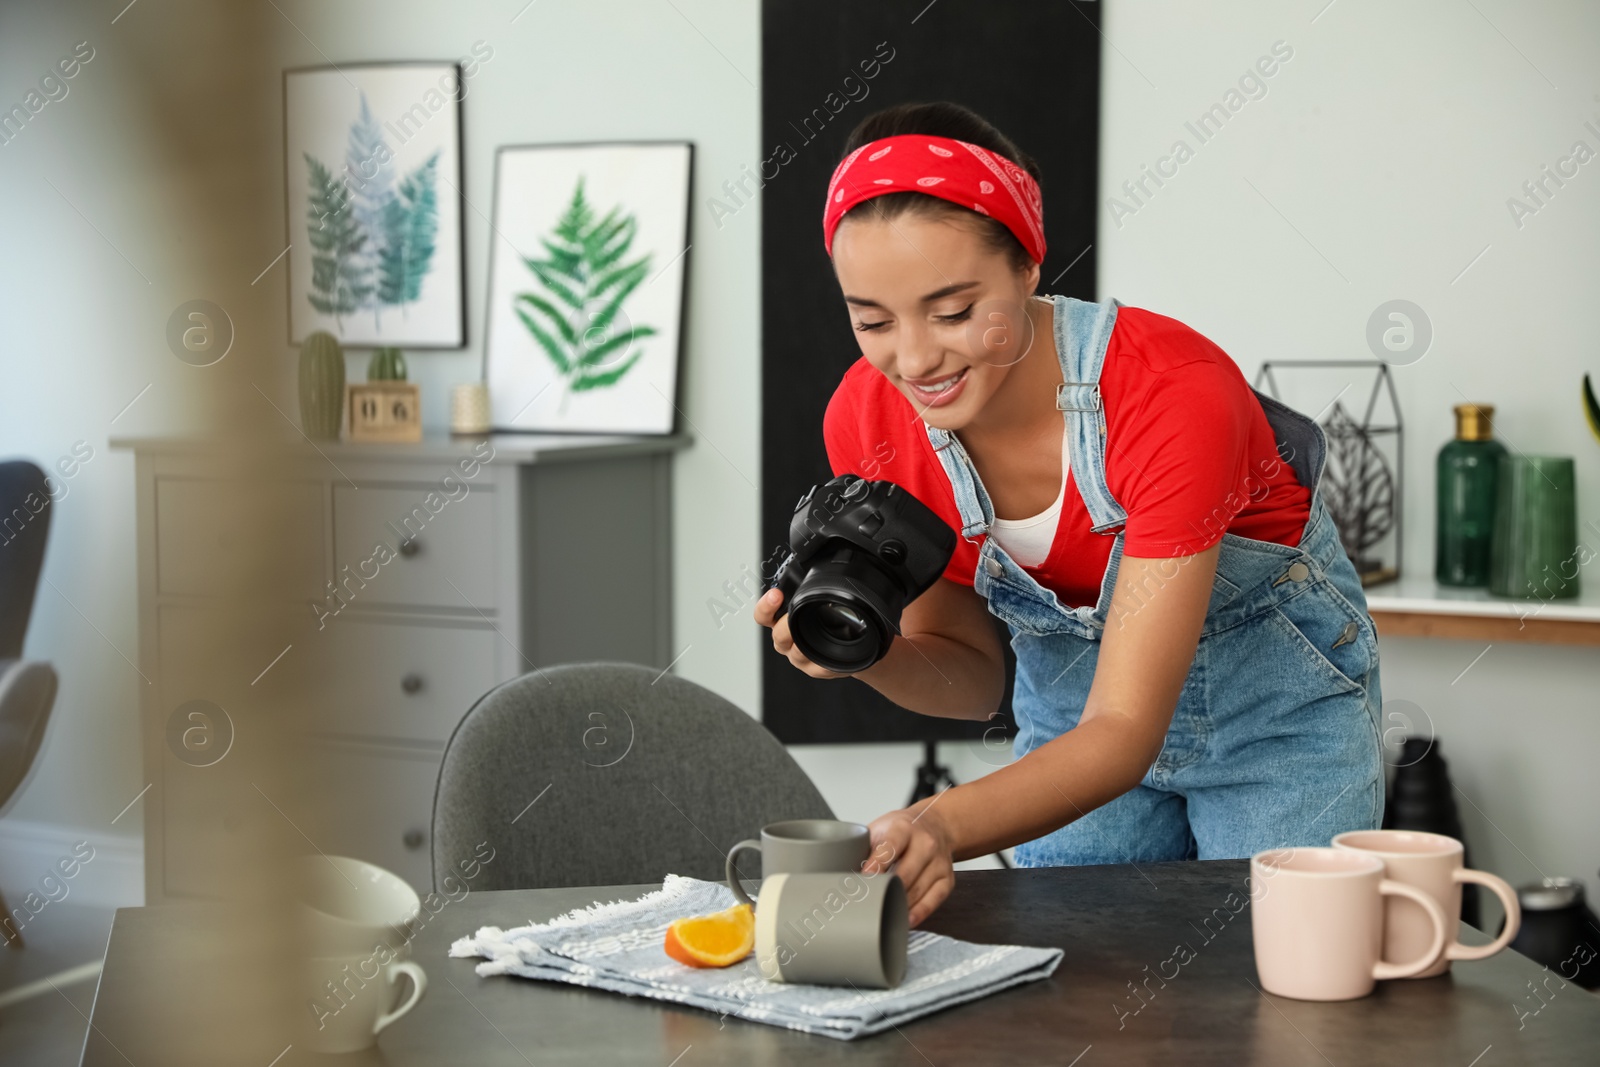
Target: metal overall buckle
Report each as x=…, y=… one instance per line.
x=1066, y=390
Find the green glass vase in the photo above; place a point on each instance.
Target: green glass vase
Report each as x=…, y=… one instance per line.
x=1534, y=553
x=1465, y=476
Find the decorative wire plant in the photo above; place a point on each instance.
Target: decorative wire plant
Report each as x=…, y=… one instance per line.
x=1362, y=489
x=1358, y=486
x=581, y=325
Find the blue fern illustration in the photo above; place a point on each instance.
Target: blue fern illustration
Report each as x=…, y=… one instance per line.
x=369, y=163
x=372, y=238
x=410, y=224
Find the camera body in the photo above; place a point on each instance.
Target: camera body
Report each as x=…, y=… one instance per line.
x=859, y=552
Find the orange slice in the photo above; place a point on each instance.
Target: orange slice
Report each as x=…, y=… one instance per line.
x=717, y=940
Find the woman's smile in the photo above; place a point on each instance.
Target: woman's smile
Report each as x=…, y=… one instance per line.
x=938, y=392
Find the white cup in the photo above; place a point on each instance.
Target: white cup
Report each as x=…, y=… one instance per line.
x=353, y=997
x=356, y=920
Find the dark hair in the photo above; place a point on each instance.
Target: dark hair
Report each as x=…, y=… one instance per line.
x=941, y=118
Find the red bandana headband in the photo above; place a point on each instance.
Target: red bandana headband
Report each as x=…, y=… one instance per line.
x=957, y=171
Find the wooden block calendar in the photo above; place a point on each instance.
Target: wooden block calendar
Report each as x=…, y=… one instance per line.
x=384, y=411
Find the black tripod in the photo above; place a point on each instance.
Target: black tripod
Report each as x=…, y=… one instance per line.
x=932, y=777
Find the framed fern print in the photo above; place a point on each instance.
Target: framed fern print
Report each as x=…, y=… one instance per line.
x=587, y=286
x=372, y=178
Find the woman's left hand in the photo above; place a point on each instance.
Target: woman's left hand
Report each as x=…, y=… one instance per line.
x=913, y=844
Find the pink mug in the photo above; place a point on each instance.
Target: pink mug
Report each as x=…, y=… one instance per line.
x=1316, y=915
x=1433, y=864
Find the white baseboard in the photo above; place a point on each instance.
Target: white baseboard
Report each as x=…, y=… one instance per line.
x=113, y=877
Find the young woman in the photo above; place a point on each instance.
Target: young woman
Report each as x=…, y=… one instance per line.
x=1197, y=674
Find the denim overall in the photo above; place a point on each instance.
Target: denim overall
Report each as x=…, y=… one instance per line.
x=1274, y=741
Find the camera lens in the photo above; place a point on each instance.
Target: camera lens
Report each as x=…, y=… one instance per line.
x=844, y=611
x=840, y=622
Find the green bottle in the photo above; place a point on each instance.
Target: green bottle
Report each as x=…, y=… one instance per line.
x=1464, y=521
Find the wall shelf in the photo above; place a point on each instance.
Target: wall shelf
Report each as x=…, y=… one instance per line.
x=1421, y=607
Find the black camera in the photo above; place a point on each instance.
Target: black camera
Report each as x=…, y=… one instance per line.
x=859, y=552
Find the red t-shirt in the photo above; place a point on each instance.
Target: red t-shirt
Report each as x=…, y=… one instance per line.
x=1189, y=455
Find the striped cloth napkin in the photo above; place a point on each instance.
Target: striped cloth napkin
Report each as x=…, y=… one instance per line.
x=618, y=946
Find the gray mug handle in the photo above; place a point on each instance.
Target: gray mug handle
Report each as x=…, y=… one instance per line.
x=732, y=875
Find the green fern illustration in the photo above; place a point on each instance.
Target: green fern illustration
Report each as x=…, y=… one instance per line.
x=340, y=274
x=410, y=224
x=587, y=283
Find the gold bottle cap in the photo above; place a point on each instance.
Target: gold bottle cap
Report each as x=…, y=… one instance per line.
x=1474, y=422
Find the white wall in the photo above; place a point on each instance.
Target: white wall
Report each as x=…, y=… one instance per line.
x=1381, y=158
x=1377, y=167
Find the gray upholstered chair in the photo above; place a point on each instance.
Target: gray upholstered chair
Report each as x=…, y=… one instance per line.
x=607, y=774
x=27, y=688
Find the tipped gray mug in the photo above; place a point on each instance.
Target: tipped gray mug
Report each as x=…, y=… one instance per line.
x=802, y=846
x=833, y=928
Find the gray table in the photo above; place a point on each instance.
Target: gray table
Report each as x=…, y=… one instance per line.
x=1119, y=925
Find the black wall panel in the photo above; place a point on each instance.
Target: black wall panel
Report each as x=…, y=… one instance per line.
x=1032, y=69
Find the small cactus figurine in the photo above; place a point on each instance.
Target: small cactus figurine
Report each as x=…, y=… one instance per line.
x=386, y=365
x=321, y=386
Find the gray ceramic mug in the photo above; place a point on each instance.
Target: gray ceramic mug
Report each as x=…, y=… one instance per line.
x=803, y=846
x=833, y=929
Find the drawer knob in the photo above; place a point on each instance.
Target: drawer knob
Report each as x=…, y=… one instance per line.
x=412, y=682
x=410, y=547
x=413, y=839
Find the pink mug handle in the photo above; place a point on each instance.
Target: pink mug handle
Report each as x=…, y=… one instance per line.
x=1435, y=916
x=1508, y=900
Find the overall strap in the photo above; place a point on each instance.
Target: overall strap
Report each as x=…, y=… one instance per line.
x=1082, y=333
x=1302, y=443
x=972, y=500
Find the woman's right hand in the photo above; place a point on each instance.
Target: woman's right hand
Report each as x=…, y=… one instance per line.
x=766, y=608
x=916, y=846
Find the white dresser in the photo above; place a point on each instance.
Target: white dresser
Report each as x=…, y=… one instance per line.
x=314, y=621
